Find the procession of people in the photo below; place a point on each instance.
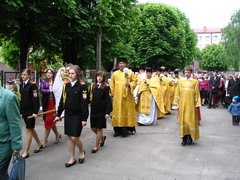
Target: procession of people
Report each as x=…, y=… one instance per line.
x=131, y=99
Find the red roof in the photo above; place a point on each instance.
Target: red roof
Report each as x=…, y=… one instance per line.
x=208, y=30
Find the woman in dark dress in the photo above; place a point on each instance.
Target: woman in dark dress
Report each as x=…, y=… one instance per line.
x=48, y=103
x=101, y=107
x=74, y=101
x=29, y=106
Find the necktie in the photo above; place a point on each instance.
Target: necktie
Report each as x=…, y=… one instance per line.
x=23, y=86
x=98, y=85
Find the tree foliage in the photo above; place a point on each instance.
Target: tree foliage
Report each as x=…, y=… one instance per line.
x=66, y=30
x=231, y=37
x=213, y=58
x=162, y=37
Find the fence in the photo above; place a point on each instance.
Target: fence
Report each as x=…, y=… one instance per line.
x=10, y=80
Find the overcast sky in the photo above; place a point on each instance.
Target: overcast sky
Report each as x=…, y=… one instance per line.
x=209, y=13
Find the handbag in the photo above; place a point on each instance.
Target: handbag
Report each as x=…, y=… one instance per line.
x=18, y=168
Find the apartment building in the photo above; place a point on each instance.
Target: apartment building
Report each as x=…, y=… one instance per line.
x=207, y=36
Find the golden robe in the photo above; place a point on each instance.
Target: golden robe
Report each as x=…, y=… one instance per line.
x=166, y=93
x=175, y=86
x=187, y=97
x=171, y=89
x=148, y=87
x=124, y=113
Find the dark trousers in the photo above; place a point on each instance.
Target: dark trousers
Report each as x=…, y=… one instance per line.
x=212, y=97
x=123, y=130
x=235, y=120
x=4, y=163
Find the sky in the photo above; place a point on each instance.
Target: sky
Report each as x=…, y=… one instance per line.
x=209, y=13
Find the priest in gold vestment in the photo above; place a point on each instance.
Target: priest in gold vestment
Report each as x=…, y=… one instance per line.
x=187, y=97
x=150, y=105
x=122, y=86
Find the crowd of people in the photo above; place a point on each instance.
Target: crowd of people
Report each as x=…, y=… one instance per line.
x=129, y=99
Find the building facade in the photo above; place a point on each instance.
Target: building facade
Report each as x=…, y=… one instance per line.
x=208, y=36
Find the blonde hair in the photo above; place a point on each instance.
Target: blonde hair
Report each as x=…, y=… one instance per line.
x=77, y=70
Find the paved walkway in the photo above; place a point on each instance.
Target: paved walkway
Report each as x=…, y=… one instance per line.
x=154, y=152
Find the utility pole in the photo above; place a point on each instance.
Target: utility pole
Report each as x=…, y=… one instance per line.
x=99, y=47
x=99, y=50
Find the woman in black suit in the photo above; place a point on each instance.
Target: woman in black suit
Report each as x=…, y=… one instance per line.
x=74, y=101
x=101, y=107
x=29, y=106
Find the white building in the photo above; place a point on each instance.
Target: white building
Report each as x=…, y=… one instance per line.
x=207, y=36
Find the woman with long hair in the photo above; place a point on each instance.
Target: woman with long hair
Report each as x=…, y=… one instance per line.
x=101, y=107
x=48, y=103
x=74, y=101
x=29, y=106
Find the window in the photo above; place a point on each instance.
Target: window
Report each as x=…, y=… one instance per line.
x=207, y=38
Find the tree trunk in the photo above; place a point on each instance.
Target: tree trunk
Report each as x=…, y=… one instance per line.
x=24, y=43
x=70, y=51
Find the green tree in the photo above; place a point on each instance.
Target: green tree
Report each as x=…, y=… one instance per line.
x=213, y=58
x=162, y=37
x=10, y=54
x=231, y=41
x=44, y=29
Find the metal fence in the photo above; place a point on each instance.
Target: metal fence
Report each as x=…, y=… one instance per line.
x=10, y=80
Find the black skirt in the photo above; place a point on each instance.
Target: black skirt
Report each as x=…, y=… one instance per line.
x=72, y=125
x=30, y=123
x=98, y=120
x=203, y=94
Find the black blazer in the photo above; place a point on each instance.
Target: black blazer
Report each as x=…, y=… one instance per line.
x=233, y=87
x=29, y=101
x=76, y=101
x=214, y=83
x=101, y=101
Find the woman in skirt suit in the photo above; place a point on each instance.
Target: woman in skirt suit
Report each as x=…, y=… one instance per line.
x=74, y=101
x=101, y=107
x=29, y=106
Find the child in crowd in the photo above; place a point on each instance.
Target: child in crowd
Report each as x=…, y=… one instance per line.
x=234, y=109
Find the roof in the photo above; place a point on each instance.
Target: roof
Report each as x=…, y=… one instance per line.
x=208, y=30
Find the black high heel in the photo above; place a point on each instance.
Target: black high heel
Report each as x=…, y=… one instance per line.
x=58, y=139
x=94, y=151
x=27, y=156
x=102, y=143
x=70, y=164
x=38, y=150
x=81, y=160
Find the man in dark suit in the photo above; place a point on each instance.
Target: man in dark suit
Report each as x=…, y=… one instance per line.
x=233, y=88
x=214, y=83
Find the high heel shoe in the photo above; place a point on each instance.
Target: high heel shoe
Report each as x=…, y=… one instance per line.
x=44, y=143
x=81, y=160
x=103, y=141
x=94, y=150
x=70, y=164
x=38, y=150
x=27, y=156
x=58, y=139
